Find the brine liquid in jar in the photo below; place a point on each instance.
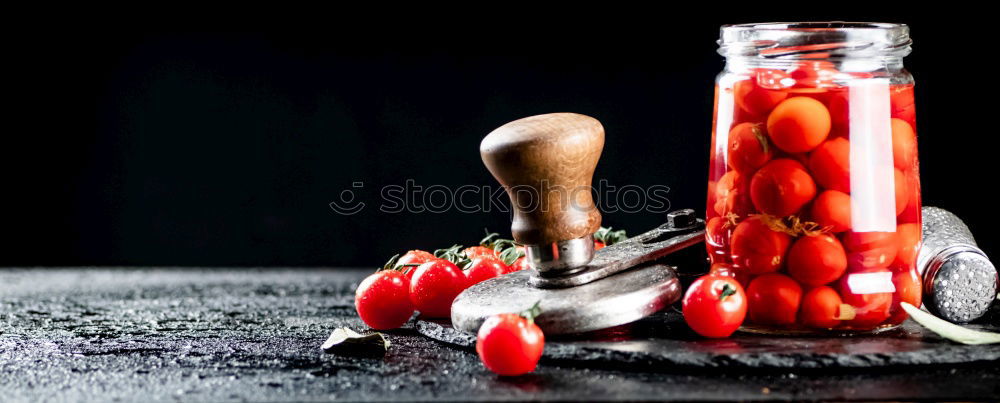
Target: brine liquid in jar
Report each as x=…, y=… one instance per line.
x=814, y=187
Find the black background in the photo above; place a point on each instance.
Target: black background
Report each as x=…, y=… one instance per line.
x=181, y=140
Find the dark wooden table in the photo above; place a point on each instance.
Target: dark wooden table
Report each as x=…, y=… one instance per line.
x=247, y=334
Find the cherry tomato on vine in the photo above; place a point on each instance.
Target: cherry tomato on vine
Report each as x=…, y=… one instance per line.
x=816, y=260
x=434, y=286
x=798, y=124
x=821, y=308
x=412, y=259
x=485, y=268
x=475, y=252
x=520, y=264
x=511, y=344
x=781, y=187
x=714, y=306
x=756, y=248
x=830, y=164
x=870, y=291
x=774, y=299
x=870, y=249
x=832, y=209
x=383, y=300
x=749, y=147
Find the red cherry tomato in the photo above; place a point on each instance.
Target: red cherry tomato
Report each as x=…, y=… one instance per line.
x=821, y=308
x=830, y=164
x=727, y=270
x=520, y=264
x=774, y=299
x=754, y=98
x=904, y=145
x=901, y=101
x=781, y=187
x=756, y=248
x=832, y=209
x=911, y=214
x=383, y=300
x=732, y=195
x=908, y=236
x=749, y=147
x=870, y=249
x=412, y=259
x=908, y=289
x=814, y=74
x=714, y=306
x=475, y=252
x=717, y=233
x=798, y=124
x=772, y=79
x=816, y=260
x=870, y=292
x=839, y=107
x=902, y=190
x=485, y=268
x=434, y=286
x=820, y=94
x=510, y=344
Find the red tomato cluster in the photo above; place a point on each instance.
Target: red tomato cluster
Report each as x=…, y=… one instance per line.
x=427, y=282
x=780, y=206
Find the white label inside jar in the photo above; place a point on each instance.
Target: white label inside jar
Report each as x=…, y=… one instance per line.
x=873, y=190
x=726, y=110
x=870, y=283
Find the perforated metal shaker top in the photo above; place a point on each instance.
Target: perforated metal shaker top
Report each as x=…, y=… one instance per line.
x=960, y=282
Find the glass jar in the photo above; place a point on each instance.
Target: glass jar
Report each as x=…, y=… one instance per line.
x=814, y=191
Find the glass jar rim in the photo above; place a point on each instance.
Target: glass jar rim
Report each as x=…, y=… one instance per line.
x=812, y=40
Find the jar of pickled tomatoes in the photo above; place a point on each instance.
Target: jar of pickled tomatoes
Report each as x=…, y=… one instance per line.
x=814, y=191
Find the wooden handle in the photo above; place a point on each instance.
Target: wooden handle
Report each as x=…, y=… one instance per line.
x=546, y=163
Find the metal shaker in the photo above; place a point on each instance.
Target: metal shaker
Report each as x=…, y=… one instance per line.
x=960, y=282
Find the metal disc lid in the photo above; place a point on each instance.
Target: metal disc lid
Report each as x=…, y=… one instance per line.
x=622, y=298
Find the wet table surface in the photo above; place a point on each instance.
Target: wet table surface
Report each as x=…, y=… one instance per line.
x=247, y=334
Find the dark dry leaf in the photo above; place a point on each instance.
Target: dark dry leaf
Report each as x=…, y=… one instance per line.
x=348, y=342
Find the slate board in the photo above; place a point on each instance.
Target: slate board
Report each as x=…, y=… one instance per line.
x=663, y=340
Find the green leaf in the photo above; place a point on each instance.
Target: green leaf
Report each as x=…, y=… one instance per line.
x=490, y=239
x=510, y=255
x=347, y=341
x=950, y=330
x=609, y=237
x=531, y=313
x=391, y=264
x=727, y=290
